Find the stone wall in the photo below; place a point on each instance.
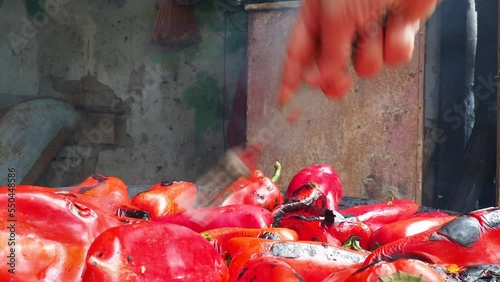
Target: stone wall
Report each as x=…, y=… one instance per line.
x=152, y=112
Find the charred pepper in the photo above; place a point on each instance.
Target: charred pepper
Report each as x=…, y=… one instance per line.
x=153, y=252
x=326, y=179
x=256, y=189
x=314, y=261
x=167, y=197
x=49, y=234
x=203, y=219
x=467, y=240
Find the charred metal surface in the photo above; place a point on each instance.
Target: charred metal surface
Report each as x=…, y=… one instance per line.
x=479, y=161
x=486, y=272
x=376, y=130
x=474, y=273
x=498, y=123
x=348, y=202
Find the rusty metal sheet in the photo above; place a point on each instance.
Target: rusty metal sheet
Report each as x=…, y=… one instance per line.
x=498, y=119
x=372, y=137
x=27, y=129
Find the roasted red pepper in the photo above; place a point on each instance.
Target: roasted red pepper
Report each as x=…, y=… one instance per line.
x=405, y=228
x=327, y=180
x=256, y=189
x=50, y=236
x=203, y=219
x=306, y=213
x=309, y=228
x=399, y=270
x=466, y=240
x=308, y=200
x=342, y=275
x=266, y=269
x=220, y=236
x=379, y=214
x=352, y=231
x=111, y=195
x=430, y=214
x=153, y=252
x=167, y=197
x=314, y=261
x=103, y=186
x=342, y=231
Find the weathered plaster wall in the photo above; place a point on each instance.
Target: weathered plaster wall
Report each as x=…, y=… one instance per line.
x=153, y=112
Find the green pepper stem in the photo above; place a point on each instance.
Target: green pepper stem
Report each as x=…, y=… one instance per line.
x=206, y=236
x=353, y=244
x=277, y=172
x=402, y=276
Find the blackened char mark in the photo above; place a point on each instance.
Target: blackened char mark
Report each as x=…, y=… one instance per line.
x=492, y=217
x=169, y=183
x=133, y=213
x=464, y=230
x=100, y=178
x=270, y=236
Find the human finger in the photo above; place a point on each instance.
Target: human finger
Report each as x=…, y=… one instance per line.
x=337, y=33
x=369, y=50
x=399, y=39
x=302, y=48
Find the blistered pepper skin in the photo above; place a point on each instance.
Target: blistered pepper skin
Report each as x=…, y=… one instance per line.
x=327, y=180
x=153, y=252
x=50, y=236
x=470, y=239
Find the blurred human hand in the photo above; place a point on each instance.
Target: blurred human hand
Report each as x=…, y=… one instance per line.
x=321, y=43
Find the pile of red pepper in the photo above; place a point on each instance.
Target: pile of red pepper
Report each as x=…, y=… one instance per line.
x=252, y=232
